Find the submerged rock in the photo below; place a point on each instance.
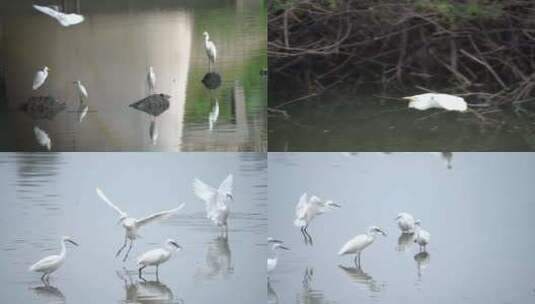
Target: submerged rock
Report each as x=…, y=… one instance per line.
x=42, y=107
x=153, y=105
x=211, y=80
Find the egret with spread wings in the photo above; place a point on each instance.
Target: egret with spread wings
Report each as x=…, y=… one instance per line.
x=132, y=225
x=307, y=208
x=216, y=200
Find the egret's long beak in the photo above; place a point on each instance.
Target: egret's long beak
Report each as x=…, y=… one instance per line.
x=72, y=242
x=176, y=245
x=382, y=232
x=397, y=217
x=283, y=247
x=336, y=205
x=276, y=241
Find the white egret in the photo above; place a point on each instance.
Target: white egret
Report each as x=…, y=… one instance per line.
x=158, y=256
x=42, y=138
x=422, y=237
x=151, y=79
x=82, y=91
x=272, y=261
x=132, y=225
x=307, y=208
x=434, y=100
x=63, y=19
x=406, y=222
x=216, y=200
x=51, y=263
x=40, y=77
x=357, y=244
x=211, y=50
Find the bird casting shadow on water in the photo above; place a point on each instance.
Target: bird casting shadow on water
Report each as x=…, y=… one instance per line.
x=359, y=276
x=49, y=294
x=422, y=259
x=145, y=291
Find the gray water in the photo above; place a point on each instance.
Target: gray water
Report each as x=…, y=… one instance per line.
x=479, y=213
x=111, y=51
x=340, y=121
x=45, y=196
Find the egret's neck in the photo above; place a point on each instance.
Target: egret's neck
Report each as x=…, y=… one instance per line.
x=63, y=249
x=170, y=249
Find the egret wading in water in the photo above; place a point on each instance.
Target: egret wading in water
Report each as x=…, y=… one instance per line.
x=82, y=91
x=276, y=246
x=42, y=138
x=51, y=263
x=40, y=77
x=306, y=209
x=421, y=237
x=216, y=201
x=63, y=19
x=433, y=100
x=211, y=50
x=406, y=223
x=132, y=225
x=158, y=256
x=357, y=244
x=151, y=79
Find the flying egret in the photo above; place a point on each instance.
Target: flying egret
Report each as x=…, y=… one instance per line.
x=422, y=237
x=211, y=50
x=434, y=100
x=63, y=19
x=272, y=261
x=158, y=256
x=51, y=263
x=307, y=208
x=40, y=77
x=132, y=225
x=406, y=222
x=357, y=244
x=151, y=79
x=82, y=91
x=216, y=200
x=42, y=138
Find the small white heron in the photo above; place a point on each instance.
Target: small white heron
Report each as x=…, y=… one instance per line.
x=406, y=222
x=132, y=225
x=158, y=256
x=40, y=77
x=216, y=200
x=433, y=100
x=82, y=91
x=51, y=263
x=211, y=50
x=276, y=245
x=307, y=208
x=422, y=237
x=42, y=138
x=151, y=79
x=63, y=19
x=357, y=244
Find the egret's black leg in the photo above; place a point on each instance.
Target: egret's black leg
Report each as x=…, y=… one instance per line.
x=355, y=260
x=43, y=278
x=157, y=279
x=128, y=251
x=140, y=270
x=121, y=249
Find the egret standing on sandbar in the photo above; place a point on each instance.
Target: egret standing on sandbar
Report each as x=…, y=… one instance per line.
x=82, y=91
x=51, y=263
x=307, y=208
x=158, y=256
x=360, y=242
x=211, y=50
x=40, y=77
x=132, y=225
x=151, y=79
x=434, y=100
x=422, y=237
x=216, y=200
x=276, y=245
x=63, y=19
x=406, y=222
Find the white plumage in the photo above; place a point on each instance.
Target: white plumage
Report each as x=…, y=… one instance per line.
x=406, y=222
x=151, y=79
x=307, y=208
x=213, y=115
x=211, y=50
x=82, y=91
x=158, y=256
x=421, y=237
x=42, y=138
x=276, y=245
x=434, y=100
x=63, y=19
x=153, y=131
x=132, y=225
x=40, y=77
x=216, y=200
x=357, y=244
x=51, y=263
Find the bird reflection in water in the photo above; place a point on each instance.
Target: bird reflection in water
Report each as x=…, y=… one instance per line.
x=218, y=260
x=214, y=113
x=40, y=108
x=146, y=291
x=422, y=260
x=357, y=275
x=154, y=105
x=445, y=156
x=49, y=294
x=309, y=294
x=272, y=296
x=405, y=241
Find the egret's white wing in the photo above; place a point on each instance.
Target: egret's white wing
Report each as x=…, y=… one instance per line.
x=47, y=11
x=151, y=257
x=300, y=210
x=451, y=102
x=206, y=193
x=159, y=215
x=226, y=185
x=104, y=198
x=357, y=243
x=44, y=263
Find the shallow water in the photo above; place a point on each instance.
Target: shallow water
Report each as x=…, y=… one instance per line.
x=479, y=213
x=111, y=51
x=339, y=121
x=47, y=195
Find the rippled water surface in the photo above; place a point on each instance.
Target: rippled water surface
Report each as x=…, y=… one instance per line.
x=45, y=196
x=111, y=52
x=478, y=208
